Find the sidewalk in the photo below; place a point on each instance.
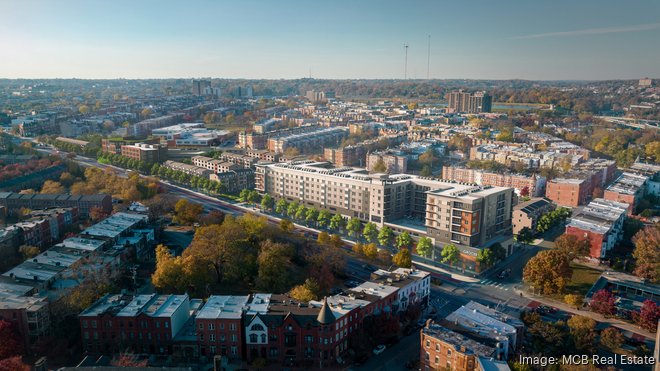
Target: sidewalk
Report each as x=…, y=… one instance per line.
x=614, y=322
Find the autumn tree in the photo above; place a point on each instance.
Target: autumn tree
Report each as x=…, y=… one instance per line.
x=548, y=272
x=286, y=225
x=28, y=252
x=186, y=212
x=385, y=236
x=307, y=291
x=403, y=240
x=583, y=333
x=450, y=254
x=612, y=338
x=52, y=187
x=323, y=238
x=648, y=315
x=10, y=345
x=358, y=248
x=370, y=232
x=370, y=250
x=424, y=247
x=647, y=253
x=603, y=302
x=574, y=300
x=96, y=214
x=126, y=359
x=275, y=264
x=167, y=276
x=573, y=246
x=336, y=241
x=13, y=364
x=402, y=258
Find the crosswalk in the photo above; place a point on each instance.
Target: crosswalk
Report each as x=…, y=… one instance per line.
x=495, y=284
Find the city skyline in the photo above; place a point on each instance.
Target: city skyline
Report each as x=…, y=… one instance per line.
x=342, y=40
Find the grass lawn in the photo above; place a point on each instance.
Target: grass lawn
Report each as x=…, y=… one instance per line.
x=582, y=280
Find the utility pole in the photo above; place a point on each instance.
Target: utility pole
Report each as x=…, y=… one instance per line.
x=405, y=71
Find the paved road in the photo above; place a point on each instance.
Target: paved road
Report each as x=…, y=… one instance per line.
x=395, y=357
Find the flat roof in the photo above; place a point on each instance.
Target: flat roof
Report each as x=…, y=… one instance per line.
x=458, y=340
x=223, y=306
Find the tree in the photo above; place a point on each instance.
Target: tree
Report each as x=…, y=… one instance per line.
x=505, y=136
x=525, y=235
x=267, y=202
x=301, y=212
x=28, y=252
x=52, y=187
x=603, y=302
x=10, y=345
x=168, y=273
x=612, y=338
x=323, y=238
x=336, y=241
x=306, y=292
x=245, y=193
x=370, y=232
x=337, y=222
x=583, y=333
x=96, y=214
x=286, y=225
x=186, y=212
x=253, y=197
x=548, y=272
x=485, y=257
x=281, y=206
x=648, y=315
x=311, y=216
x=524, y=192
x=354, y=225
x=379, y=166
x=402, y=258
x=323, y=218
x=275, y=264
x=83, y=109
x=370, y=250
x=292, y=209
x=574, y=300
x=403, y=240
x=450, y=254
x=126, y=359
x=573, y=246
x=358, y=248
x=424, y=247
x=647, y=253
x=385, y=236
x=384, y=257
x=13, y=364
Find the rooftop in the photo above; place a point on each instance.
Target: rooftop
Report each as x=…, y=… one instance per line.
x=458, y=341
x=628, y=183
x=223, y=307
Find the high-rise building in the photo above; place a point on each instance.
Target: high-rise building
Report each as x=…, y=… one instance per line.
x=198, y=86
x=460, y=101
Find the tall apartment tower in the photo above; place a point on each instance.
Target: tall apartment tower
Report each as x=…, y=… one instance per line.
x=460, y=101
x=199, y=86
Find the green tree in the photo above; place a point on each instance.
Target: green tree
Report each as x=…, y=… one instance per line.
x=525, y=235
x=485, y=257
x=292, y=209
x=370, y=232
x=253, y=197
x=301, y=212
x=403, y=240
x=245, y=193
x=354, y=226
x=323, y=218
x=424, y=247
x=267, y=202
x=402, y=258
x=281, y=206
x=311, y=216
x=385, y=236
x=336, y=222
x=450, y=254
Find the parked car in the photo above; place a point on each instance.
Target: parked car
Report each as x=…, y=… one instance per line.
x=379, y=349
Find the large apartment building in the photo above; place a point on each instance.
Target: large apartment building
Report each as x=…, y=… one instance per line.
x=84, y=203
x=469, y=216
x=534, y=184
x=144, y=152
x=460, y=101
x=601, y=223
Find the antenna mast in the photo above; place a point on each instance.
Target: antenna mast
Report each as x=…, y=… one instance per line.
x=405, y=72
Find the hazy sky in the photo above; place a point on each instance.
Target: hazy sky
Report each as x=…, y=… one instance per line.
x=527, y=39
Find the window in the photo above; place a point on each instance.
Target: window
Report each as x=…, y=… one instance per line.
x=257, y=327
x=234, y=351
x=263, y=338
x=233, y=338
x=232, y=326
x=212, y=349
x=253, y=338
x=212, y=337
x=211, y=326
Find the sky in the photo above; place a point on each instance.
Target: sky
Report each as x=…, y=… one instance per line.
x=337, y=39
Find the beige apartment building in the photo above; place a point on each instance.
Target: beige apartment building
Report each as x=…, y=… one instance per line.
x=471, y=217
